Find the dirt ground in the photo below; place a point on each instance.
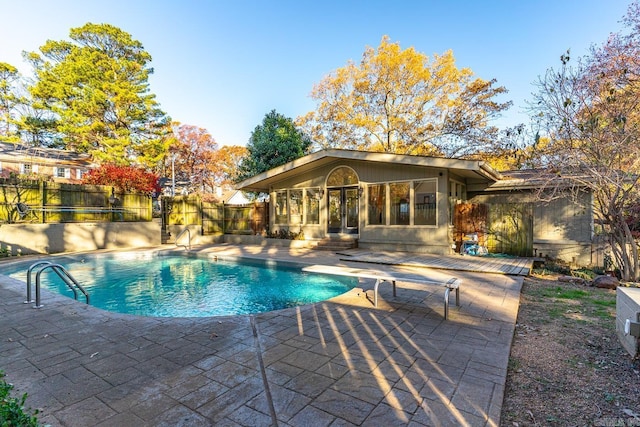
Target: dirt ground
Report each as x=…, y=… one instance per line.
x=567, y=367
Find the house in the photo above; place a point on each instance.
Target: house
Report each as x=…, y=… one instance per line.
x=235, y=197
x=58, y=165
x=413, y=203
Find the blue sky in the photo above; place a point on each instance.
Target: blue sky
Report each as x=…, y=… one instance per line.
x=222, y=65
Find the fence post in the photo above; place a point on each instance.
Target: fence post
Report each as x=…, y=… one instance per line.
x=42, y=188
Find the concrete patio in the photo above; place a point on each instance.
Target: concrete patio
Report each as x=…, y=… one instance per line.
x=337, y=363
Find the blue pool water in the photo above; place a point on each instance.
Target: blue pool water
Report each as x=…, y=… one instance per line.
x=179, y=286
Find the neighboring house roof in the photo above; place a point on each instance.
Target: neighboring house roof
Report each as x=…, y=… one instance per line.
x=464, y=168
x=235, y=197
x=20, y=152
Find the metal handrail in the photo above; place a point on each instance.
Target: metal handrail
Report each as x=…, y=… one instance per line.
x=186, y=230
x=34, y=265
x=66, y=277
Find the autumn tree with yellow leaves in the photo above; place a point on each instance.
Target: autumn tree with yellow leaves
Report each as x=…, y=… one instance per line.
x=401, y=101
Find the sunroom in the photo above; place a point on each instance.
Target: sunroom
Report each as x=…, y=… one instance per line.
x=385, y=201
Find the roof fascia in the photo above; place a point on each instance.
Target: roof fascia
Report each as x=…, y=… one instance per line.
x=483, y=169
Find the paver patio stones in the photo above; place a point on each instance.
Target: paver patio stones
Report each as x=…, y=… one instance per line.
x=207, y=391
x=286, y=402
x=312, y=417
x=158, y=366
x=333, y=370
x=338, y=363
x=122, y=420
x=153, y=405
x=485, y=372
x=306, y=360
x=344, y=406
x=90, y=411
x=388, y=416
x=473, y=395
x=122, y=397
x=281, y=373
x=70, y=392
x=219, y=407
x=230, y=373
x=439, y=390
x=246, y=416
x=402, y=400
x=309, y=383
x=209, y=362
x=363, y=386
x=437, y=413
x=186, y=387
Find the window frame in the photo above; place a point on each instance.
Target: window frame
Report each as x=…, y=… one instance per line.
x=410, y=205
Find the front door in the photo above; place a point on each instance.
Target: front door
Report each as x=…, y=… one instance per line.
x=343, y=210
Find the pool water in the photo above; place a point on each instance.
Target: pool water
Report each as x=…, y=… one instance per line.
x=179, y=286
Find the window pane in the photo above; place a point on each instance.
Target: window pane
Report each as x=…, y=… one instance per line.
x=281, y=207
x=342, y=176
x=312, y=203
x=399, y=203
x=295, y=206
x=425, y=203
x=61, y=172
x=376, y=204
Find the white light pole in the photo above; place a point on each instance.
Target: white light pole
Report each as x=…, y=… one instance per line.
x=173, y=175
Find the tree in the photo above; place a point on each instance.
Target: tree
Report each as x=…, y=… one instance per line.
x=589, y=118
x=193, y=151
x=97, y=89
x=227, y=162
x=399, y=101
x=123, y=178
x=9, y=101
x=274, y=143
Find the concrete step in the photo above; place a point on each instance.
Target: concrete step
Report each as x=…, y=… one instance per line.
x=334, y=244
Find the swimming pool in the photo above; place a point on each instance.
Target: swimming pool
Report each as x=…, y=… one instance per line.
x=151, y=284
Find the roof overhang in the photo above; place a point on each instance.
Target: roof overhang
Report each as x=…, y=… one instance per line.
x=465, y=168
x=536, y=179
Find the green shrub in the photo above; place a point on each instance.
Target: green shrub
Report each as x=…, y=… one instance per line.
x=12, y=412
x=285, y=234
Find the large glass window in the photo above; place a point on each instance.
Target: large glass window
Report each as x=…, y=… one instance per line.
x=399, y=198
x=295, y=206
x=377, y=204
x=424, y=202
x=312, y=206
x=281, y=207
x=342, y=176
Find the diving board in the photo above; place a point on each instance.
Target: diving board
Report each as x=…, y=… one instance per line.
x=390, y=277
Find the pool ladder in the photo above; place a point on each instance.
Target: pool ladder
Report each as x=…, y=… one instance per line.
x=62, y=272
x=188, y=245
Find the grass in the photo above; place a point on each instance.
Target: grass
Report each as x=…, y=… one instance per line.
x=565, y=301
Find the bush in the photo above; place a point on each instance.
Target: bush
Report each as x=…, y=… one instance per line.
x=285, y=234
x=12, y=412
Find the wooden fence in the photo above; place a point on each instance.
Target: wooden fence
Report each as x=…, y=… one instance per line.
x=216, y=218
x=49, y=202
x=502, y=227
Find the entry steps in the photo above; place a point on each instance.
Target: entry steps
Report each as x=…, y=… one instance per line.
x=336, y=244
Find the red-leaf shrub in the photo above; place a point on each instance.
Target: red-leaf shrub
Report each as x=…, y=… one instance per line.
x=123, y=178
